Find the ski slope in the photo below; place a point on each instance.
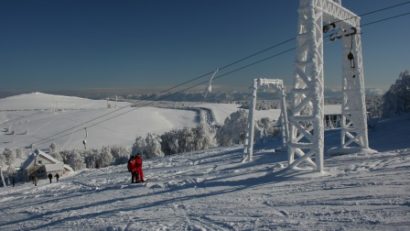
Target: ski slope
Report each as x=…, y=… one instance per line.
x=36, y=118
x=214, y=190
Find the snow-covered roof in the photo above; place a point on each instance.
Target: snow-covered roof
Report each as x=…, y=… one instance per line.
x=68, y=168
x=32, y=157
x=54, y=167
x=333, y=109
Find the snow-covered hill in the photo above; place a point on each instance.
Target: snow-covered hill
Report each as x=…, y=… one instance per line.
x=29, y=118
x=214, y=190
x=42, y=101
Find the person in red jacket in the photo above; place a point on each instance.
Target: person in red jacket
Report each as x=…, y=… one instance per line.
x=132, y=169
x=138, y=168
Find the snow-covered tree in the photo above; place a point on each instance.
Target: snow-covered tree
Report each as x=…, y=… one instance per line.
x=75, y=160
x=9, y=156
x=153, y=146
x=19, y=153
x=90, y=158
x=53, y=147
x=186, y=140
x=149, y=147
x=265, y=128
x=120, y=154
x=397, y=99
x=104, y=158
x=204, y=137
x=138, y=146
x=64, y=155
x=169, y=144
x=234, y=129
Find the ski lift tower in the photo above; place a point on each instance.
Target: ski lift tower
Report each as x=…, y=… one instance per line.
x=306, y=143
x=265, y=83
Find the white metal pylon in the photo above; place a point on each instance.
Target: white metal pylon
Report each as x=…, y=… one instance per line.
x=306, y=141
x=265, y=83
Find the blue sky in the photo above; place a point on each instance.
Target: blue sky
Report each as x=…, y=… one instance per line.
x=77, y=44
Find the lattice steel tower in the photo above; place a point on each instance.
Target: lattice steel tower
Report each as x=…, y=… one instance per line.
x=306, y=143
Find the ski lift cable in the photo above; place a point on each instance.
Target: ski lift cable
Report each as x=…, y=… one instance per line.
x=386, y=19
x=50, y=138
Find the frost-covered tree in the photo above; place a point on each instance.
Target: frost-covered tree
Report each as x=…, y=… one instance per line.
x=236, y=126
x=120, y=154
x=104, y=158
x=19, y=153
x=53, y=147
x=138, y=146
x=75, y=160
x=204, y=137
x=186, y=140
x=153, y=146
x=170, y=144
x=64, y=156
x=234, y=129
x=149, y=147
x=397, y=99
x=54, y=153
x=9, y=156
x=265, y=129
x=90, y=158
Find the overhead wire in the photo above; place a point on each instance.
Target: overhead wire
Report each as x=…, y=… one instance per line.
x=372, y=12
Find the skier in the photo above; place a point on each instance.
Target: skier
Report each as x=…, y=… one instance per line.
x=131, y=168
x=57, y=176
x=138, y=168
x=50, y=177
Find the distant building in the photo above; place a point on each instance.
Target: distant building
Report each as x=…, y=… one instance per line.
x=41, y=164
x=333, y=116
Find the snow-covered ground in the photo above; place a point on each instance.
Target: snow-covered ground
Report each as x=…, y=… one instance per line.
x=213, y=190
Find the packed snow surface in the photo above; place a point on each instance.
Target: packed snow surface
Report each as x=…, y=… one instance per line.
x=213, y=190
